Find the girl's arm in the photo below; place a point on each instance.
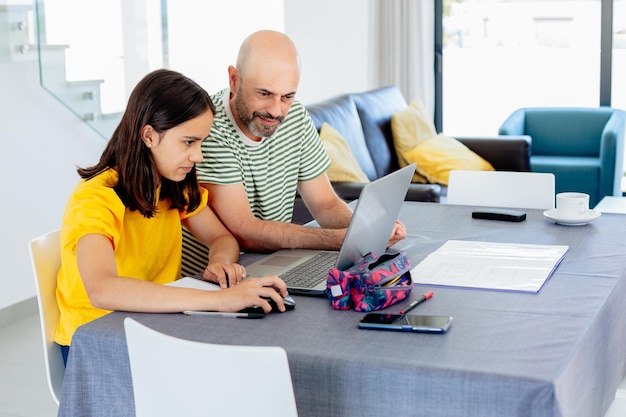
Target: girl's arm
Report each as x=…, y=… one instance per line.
x=223, y=248
x=107, y=290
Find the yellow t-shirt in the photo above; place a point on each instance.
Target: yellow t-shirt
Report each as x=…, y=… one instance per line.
x=147, y=249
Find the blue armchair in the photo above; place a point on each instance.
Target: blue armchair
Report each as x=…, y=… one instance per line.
x=582, y=147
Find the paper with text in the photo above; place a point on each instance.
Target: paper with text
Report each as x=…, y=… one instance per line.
x=490, y=265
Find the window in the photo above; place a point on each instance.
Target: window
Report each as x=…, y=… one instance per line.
x=501, y=55
x=618, y=82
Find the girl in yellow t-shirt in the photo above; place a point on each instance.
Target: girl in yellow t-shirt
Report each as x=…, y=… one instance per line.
x=121, y=234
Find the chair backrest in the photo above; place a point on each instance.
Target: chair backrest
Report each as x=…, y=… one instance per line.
x=531, y=190
x=45, y=255
x=566, y=131
x=176, y=377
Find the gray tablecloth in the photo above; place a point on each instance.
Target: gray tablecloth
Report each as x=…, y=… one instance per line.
x=560, y=352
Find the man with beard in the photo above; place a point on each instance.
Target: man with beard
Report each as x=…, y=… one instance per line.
x=263, y=146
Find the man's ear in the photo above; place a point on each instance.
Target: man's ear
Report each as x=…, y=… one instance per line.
x=233, y=79
x=148, y=135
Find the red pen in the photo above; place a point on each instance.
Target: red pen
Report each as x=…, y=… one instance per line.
x=415, y=303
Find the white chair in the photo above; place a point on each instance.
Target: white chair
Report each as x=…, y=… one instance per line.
x=531, y=190
x=45, y=255
x=176, y=377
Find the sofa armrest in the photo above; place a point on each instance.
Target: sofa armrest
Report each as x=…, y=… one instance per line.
x=301, y=214
x=505, y=153
x=612, y=143
x=349, y=191
x=431, y=193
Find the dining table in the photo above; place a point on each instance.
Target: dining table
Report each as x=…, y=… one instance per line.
x=556, y=352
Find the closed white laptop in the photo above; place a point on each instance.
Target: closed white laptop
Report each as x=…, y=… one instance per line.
x=304, y=271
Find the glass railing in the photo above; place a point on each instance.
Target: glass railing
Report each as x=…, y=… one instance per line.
x=89, y=53
x=92, y=53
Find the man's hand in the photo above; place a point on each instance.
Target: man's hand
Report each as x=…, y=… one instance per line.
x=397, y=234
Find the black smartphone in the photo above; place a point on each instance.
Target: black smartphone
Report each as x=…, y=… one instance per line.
x=406, y=322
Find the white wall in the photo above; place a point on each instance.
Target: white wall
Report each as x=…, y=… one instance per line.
x=333, y=39
x=41, y=142
x=222, y=27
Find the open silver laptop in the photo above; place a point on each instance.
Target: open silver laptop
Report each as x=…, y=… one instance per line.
x=304, y=270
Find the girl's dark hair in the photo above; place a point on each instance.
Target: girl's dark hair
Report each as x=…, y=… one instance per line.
x=163, y=99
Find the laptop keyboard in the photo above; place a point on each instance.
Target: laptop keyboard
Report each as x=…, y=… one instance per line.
x=310, y=273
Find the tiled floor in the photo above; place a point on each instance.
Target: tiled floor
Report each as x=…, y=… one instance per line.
x=23, y=386
x=24, y=390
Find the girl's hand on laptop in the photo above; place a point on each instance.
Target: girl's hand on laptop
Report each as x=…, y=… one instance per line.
x=397, y=234
x=224, y=274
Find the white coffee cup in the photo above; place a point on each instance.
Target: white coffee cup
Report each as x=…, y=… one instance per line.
x=572, y=205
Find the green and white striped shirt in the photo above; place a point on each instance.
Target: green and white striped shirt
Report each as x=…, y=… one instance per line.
x=269, y=169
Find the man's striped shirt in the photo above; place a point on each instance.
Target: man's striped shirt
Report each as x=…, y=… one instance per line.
x=269, y=169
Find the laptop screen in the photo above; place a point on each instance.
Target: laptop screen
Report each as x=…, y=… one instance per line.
x=374, y=216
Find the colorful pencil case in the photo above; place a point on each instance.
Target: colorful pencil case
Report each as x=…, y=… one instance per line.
x=373, y=283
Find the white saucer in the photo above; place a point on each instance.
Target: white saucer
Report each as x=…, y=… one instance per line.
x=569, y=221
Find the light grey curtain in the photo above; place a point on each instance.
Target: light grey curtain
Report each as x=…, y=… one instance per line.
x=403, y=39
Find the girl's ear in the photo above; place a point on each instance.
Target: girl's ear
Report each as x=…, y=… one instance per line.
x=147, y=135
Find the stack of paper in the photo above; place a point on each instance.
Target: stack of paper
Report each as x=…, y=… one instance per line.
x=489, y=265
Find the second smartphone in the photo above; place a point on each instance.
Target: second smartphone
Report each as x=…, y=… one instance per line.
x=406, y=323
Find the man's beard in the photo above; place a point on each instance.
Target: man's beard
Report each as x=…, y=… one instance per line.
x=251, y=121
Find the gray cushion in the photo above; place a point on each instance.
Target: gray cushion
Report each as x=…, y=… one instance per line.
x=375, y=109
x=341, y=114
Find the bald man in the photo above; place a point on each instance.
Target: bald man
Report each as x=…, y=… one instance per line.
x=262, y=147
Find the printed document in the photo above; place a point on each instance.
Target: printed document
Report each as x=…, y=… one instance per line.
x=198, y=284
x=490, y=265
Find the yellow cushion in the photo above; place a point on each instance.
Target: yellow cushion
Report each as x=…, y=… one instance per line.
x=343, y=165
x=409, y=128
x=439, y=155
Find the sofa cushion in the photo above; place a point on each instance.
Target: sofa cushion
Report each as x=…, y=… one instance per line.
x=439, y=155
x=375, y=108
x=343, y=166
x=340, y=112
x=410, y=127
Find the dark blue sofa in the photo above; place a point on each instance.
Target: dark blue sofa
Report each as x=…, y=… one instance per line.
x=364, y=120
